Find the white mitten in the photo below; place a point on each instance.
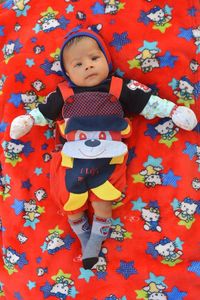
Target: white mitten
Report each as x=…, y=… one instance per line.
x=184, y=117
x=20, y=126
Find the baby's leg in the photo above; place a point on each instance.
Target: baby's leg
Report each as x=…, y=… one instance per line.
x=100, y=231
x=80, y=225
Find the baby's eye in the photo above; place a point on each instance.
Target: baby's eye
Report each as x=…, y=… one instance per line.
x=95, y=57
x=78, y=65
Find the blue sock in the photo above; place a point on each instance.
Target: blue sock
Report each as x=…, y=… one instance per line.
x=99, y=233
x=82, y=229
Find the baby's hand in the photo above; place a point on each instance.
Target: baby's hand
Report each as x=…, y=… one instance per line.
x=20, y=126
x=184, y=117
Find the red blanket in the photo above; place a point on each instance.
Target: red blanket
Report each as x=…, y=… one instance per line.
x=153, y=250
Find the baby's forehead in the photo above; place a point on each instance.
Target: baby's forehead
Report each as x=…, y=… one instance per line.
x=80, y=41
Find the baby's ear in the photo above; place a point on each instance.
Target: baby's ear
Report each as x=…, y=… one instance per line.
x=128, y=130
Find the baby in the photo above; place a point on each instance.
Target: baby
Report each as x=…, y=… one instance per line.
x=90, y=107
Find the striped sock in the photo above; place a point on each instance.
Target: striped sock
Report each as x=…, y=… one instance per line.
x=99, y=233
x=82, y=229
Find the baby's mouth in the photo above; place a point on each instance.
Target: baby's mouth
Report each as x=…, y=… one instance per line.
x=91, y=76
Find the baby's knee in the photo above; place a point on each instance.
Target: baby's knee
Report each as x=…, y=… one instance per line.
x=102, y=208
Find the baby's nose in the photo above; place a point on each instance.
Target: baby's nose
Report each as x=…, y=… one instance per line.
x=89, y=66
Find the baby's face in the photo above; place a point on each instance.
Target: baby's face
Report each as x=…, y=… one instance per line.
x=85, y=63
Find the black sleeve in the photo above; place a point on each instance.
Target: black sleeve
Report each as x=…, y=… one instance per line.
x=134, y=96
x=53, y=106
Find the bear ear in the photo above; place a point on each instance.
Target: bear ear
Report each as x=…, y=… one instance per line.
x=61, y=126
x=128, y=130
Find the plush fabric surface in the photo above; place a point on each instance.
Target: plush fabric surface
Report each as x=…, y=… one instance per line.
x=143, y=259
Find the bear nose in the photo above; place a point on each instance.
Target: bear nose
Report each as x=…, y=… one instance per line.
x=92, y=143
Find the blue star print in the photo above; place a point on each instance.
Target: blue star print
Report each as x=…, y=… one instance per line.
x=138, y=204
x=8, y=4
x=119, y=72
x=27, y=149
x=26, y=184
x=143, y=18
x=168, y=9
x=117, y=222
x=37, y=28
x=18, y=45
x=15, y=99
x=48, y=133
x=195, y=267
x=22, y=261
x=1, y=30
x=38, y=171
x=7, y=179
x=167, y=60
x=155, y=162
x=46, y=66
x=46, y=289
x=63, y=22
x=131, y=154
x=18, y=296
x=44, y=247
x=101, y=275
x=38, y=260
x=30, y=62
x=120, y=40
x=19, y=77
x=31, y=285
x=175, y=204
x=151, y=131
x=150, y=46
x=44, y=146
x=23, y=12
x=31, y=224
x=69, y=9
x=174, y=83
x=68, y=240
x=151, y=250
x=126, y=269
x=33, y=39
x=190, y=149
x=192, y=11
x=186, y=34
x=176, y=294
x=197, y=87
x=97, y=9
x=170, y=179
x=85, y=274
x=153, y=203
x=179, y=243
x=3, y=126
x=156, y=279
x=73, y=292
x=18, y=206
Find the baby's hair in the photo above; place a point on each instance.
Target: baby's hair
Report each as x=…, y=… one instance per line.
x=75, y=40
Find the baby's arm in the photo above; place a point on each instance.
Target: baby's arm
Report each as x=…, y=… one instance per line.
x=40, y=116
x=138, y=99
x=182, y=116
